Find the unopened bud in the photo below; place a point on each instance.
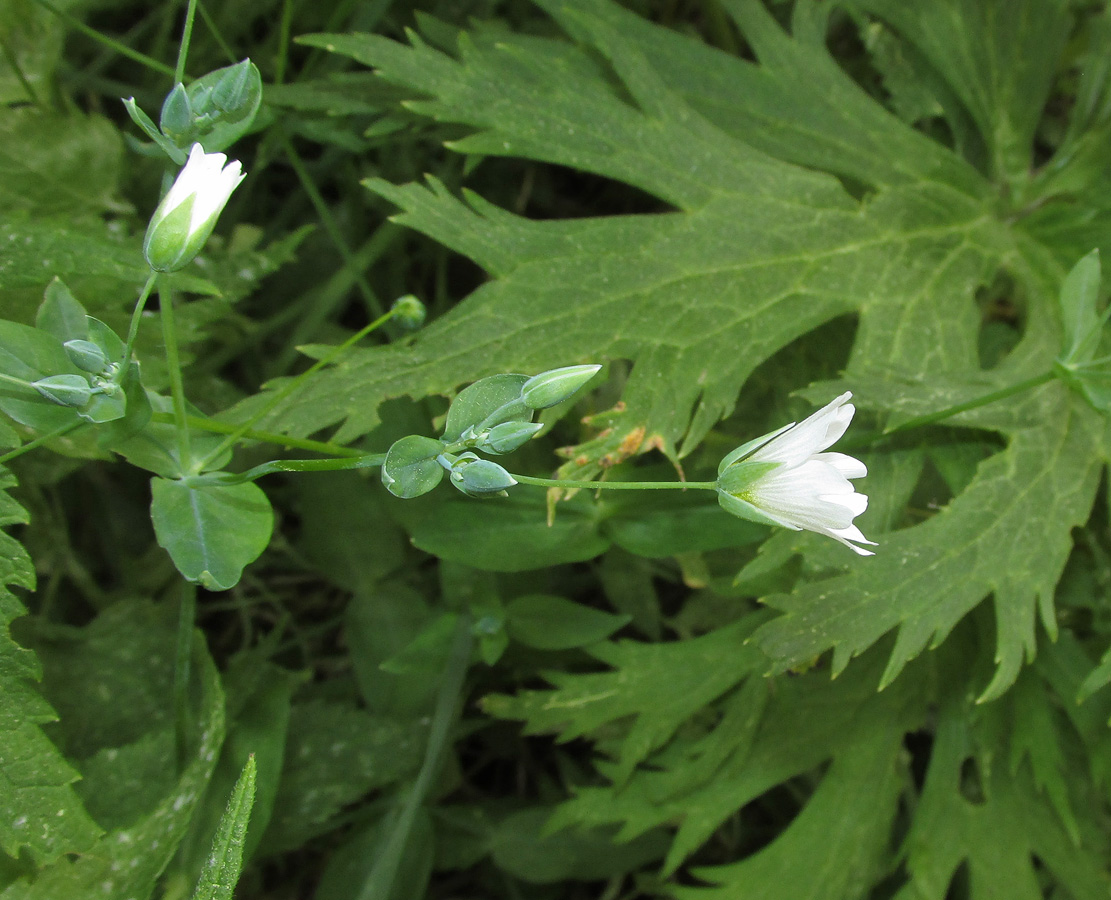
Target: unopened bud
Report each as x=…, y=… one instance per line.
x=188, y=213
x=409, y=312
x=549, y=388
x=65, y=390
x=176, y=120
x=86, y=355
x=234, y=94
x=508, y=436
x=480, y=477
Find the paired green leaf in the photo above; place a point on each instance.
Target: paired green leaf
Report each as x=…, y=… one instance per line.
x=211, y=532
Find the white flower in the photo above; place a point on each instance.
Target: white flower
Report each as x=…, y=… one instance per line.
x=784, y=478
x=187, y=214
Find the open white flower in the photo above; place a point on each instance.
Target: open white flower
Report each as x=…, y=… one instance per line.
x=187, y=214
x=784, y=478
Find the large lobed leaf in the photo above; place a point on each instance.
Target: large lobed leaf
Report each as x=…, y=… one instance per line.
x=789, y=197
x=761, y=248
x=40, y=813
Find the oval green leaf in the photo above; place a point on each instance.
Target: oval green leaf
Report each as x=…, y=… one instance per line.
x=411, y=468
x=481, y=400
x=211, y=532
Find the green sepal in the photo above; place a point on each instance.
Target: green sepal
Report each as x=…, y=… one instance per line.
x=486, y=403
x=553, y=387
x=508, y=436
x=224, y=104
x=411, y=467
x=744, y=510
x=176, y=120
x=737, y=478
x=751, y=447
x=65, y=390
x=480, y=477
x=168, y=245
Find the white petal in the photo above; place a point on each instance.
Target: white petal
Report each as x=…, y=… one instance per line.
x=852, y=533
x=815, y=496
x=811, y=496
x=847, y=465
x=854, y=502
x=811, y=435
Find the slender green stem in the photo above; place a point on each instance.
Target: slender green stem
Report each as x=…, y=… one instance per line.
x=210, y=24
x=289, y=465
x=42, y=439
x=186, y=37
x=183, y=659
x=136, y=316
x=878, y=437
x=619, y=485
x=284, y=26
x=317, y=305
x=290, y=386
x=379, y=883
x=173, y=368
x=327, y=220
x=268, y=437
x=9, y=57
x=120, y=48
x=1001, y=394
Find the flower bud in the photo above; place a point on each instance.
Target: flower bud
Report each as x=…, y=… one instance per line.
x=187, y=214
x=176, y=120
x=480, y=477
x=508, y=436
x=549, y=388
x=409, y=312
x=65, y=390
x=237, y=91
x=86, y=355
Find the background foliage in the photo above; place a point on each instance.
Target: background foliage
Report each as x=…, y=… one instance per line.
x=742, y=209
